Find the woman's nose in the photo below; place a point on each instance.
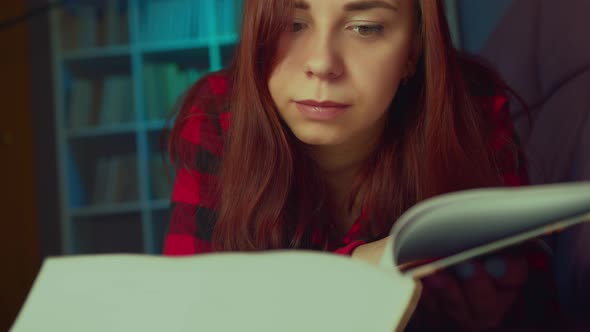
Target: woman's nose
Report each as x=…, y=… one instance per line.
x=323, y=59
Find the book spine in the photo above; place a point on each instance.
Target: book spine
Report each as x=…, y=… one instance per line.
x=128, y=114
x=97, y=91
x=115, y=111
x=80, y=103
x=100, y=179
x=150, y=21
x=201, y=23
x=112, y=178
x=73, y=104
x=126, y=185
x=107, y=102
x=112, y=22
x=123, y=17
x=88, y=26
x=194, y=19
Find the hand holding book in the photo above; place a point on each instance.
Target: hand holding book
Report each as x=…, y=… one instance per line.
x=439, y=239
x=471, y=296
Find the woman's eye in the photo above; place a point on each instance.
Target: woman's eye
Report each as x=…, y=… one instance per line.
x=297, y=26
x=368, y=30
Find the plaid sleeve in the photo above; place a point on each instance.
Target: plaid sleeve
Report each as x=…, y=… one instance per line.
x=193, y=196
x=349, y=248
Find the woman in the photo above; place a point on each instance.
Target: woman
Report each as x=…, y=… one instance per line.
x=334, y=118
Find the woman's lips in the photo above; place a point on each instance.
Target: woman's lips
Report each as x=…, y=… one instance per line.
x=326, y=110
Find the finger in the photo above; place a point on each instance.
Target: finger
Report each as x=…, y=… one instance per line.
x=482, y=296
x=507, y=270
x=492, y=286
x=448, y=296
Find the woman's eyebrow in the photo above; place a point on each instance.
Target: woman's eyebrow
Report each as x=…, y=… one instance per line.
x=360, y=5
x=368, y=4
x=301, y=4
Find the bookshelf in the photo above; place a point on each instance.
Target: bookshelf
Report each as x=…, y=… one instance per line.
x=119, y=66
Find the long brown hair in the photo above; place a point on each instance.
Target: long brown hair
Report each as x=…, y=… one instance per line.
x=436, y=140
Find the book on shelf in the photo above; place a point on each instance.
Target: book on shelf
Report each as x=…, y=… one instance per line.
x=115, y=180
x=275, y=291
x=151, y=92
x=117, y=102
x=100, y=102
x=101, y=174
x=93, y=117
x=170, y=78
x=228, y=16
x=174, y=20
x=77, y=182
x=179, y=23
x=80, y=102
x=161, y=185
x=88, y=26
x=125, y=182
x=68, y=29
x=156, y=21
x=200, y=22
x=109, y=100
x=164, y=84
x=115, y=18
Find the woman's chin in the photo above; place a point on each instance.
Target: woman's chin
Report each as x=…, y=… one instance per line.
x=319, y=140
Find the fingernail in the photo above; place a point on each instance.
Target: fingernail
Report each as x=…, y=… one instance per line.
x=465, y=270
x=495, y=266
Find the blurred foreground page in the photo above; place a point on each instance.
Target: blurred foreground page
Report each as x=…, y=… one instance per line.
x=249, y=292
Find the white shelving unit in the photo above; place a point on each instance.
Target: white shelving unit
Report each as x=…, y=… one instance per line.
x=118, y=67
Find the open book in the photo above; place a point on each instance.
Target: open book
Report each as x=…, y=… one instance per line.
x=295, y=291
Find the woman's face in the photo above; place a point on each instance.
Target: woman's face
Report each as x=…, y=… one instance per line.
x=338, y=67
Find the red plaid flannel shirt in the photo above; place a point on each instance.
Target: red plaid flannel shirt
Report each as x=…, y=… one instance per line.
x=194, y=216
